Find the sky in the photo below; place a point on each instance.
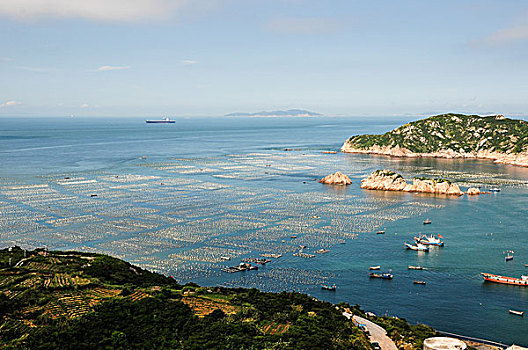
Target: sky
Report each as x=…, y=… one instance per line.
x=213, y=57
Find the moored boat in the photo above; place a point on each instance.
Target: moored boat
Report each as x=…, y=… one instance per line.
x=494, y=189
x=430, y=240
x=380, y=232
x=523, y=281
x=333, y=287
x=386, y=276
x=375, y=267
x=427, y=222
x=515, y=312
x=417, y=247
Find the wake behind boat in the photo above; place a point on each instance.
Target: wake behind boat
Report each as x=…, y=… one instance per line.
x=166, y=120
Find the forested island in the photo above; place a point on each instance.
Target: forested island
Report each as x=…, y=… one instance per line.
x=73, y=300
x=500, y=139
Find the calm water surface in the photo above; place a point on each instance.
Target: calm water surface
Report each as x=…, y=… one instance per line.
x=245, y=158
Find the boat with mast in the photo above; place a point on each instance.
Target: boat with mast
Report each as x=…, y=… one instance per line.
x=430, y=240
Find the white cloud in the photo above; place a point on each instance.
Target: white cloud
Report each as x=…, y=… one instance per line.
x=5, y=59
x=506, y=36
x=313, y=25
x=188, y=62
x=105, y=68
x=10, y=104
x=84, y=105
x=104, y=10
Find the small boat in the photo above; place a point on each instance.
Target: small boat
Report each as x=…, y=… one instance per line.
x=333, y=287
x=419, y=282
x=386, y=276
x=515, y=312
x=225, y=258
x=417, y=247
x=494, y=189
x=375, y=267
x=293, y=236
x=523, y=281
x=410, y=267
x=427, y=222
x=161, y=121
x=430, y=240
x=381, y=232
x=509, y=255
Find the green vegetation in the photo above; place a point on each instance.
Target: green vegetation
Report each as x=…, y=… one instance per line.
x=456, y=132
x=71, y=300
x=436, y=180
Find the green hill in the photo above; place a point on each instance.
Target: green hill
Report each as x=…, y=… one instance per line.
x=71, y=300
x=451, y=132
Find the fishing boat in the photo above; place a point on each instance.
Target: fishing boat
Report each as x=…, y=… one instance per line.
x=515, y=312
x=166, y=120
x=386, y=276
x=494, y=189
x=523, y=281
x=417, y=247
x=509, y=255
x=427, y=222
x=430, y=240
x=410, y=267
x=375, y=267
x=419, y=282
x=333, y=287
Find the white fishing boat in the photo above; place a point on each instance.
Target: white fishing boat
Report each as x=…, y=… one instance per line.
x=430, y=240
x=417, y=247
x=515, y=312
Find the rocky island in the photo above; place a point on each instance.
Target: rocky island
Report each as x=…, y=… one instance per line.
x=388, y=180
x=500, y=139
x=336, y=179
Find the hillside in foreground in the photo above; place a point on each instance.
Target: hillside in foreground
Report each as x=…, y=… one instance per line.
x=72, y=300
x=451, y=135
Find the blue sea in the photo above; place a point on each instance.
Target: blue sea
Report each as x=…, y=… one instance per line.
x=176, y=198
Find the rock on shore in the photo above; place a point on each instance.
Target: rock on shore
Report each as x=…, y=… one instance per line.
x=336, y=179
x=388, y=180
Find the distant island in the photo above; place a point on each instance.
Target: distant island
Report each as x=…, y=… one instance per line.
x=500, y=139
x=73, y=300
x=288, y=113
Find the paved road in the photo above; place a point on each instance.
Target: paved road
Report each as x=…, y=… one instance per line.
x=378, y=334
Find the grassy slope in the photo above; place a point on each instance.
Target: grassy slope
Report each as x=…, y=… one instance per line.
x=84, y=301
x=458, y=132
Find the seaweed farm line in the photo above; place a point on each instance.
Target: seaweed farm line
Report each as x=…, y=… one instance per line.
x=219, y=193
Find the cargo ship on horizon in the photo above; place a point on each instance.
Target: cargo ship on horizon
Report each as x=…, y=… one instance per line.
x=165, y=120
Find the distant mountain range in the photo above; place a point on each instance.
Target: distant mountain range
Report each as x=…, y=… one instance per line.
x=288, y=113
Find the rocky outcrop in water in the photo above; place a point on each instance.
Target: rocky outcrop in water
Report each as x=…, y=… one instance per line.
x=336, y=179
x=388, y=180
